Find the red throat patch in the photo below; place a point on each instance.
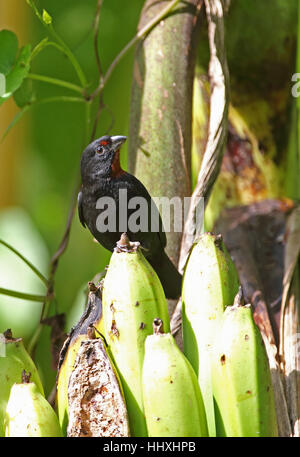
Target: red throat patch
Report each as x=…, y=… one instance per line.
x=116, y=170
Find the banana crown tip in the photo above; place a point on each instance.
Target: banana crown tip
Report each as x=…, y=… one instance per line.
x=26, y=377
x=8, y=337
x=92, y=287
x=125, y=245
x=218, y=240
x=239, y=299
x=95, y=289
x=158, y=326
x=210, y=237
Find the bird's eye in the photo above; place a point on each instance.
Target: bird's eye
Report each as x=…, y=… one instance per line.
x=99, y=149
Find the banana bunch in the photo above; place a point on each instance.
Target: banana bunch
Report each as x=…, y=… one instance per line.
x=28, y=413
x=210, y=283
x=136, y=378
x=91, y=316
x=242, y=385
x=15, y=360
x=171, y=394
x=132, y=298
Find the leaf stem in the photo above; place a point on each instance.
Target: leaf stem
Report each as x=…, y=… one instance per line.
x=22, y=295
x=96, y=33
x=87, y=121
x=70, y=55
x=60, y=98
x=32, y=343
x=55, y=81
x=28, y=263
x=42, y=45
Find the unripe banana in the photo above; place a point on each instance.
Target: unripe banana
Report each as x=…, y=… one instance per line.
x=91, y=316
x=132, y=297
x=28, y=413
x=171, y=394
x=242, y=385
x=13, y=361
x=210, y=283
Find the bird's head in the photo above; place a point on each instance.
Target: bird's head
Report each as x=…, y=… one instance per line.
x=101, y=156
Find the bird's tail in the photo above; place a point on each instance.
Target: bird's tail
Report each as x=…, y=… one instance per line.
x=169, y=276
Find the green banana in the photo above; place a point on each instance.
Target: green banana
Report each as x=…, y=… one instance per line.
x=132, y=297
x=91, y=316
x=210, y=283
x=242, y=385
x=13, y=361
x=28, y=413
x=171, y=394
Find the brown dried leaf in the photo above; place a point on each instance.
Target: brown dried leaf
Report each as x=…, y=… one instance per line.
x=91, y=315
x=289, y=329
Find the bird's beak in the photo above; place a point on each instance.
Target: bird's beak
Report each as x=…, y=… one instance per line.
x=117, y=141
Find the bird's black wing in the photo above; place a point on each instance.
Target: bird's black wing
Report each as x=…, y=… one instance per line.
x=80, y=209
x=162, y=235
x=137, y=188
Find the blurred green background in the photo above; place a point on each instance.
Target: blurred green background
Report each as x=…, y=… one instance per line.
x=39, y=159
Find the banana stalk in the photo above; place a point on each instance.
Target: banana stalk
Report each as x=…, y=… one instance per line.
x=28, y=413
x=132, y=298
x=210, y=283
x=242, y=384
x=13, y=361
x=91, y=316
x=172, y=398
x=161, y=102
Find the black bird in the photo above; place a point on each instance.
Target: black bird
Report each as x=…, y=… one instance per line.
x=102, y=176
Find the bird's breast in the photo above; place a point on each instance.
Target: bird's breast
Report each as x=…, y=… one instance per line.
x=116, y=169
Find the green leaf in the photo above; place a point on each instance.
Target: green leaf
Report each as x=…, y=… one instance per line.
x=8, y=50
x=21, y=69
x=24, y=95
x=47, y=19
